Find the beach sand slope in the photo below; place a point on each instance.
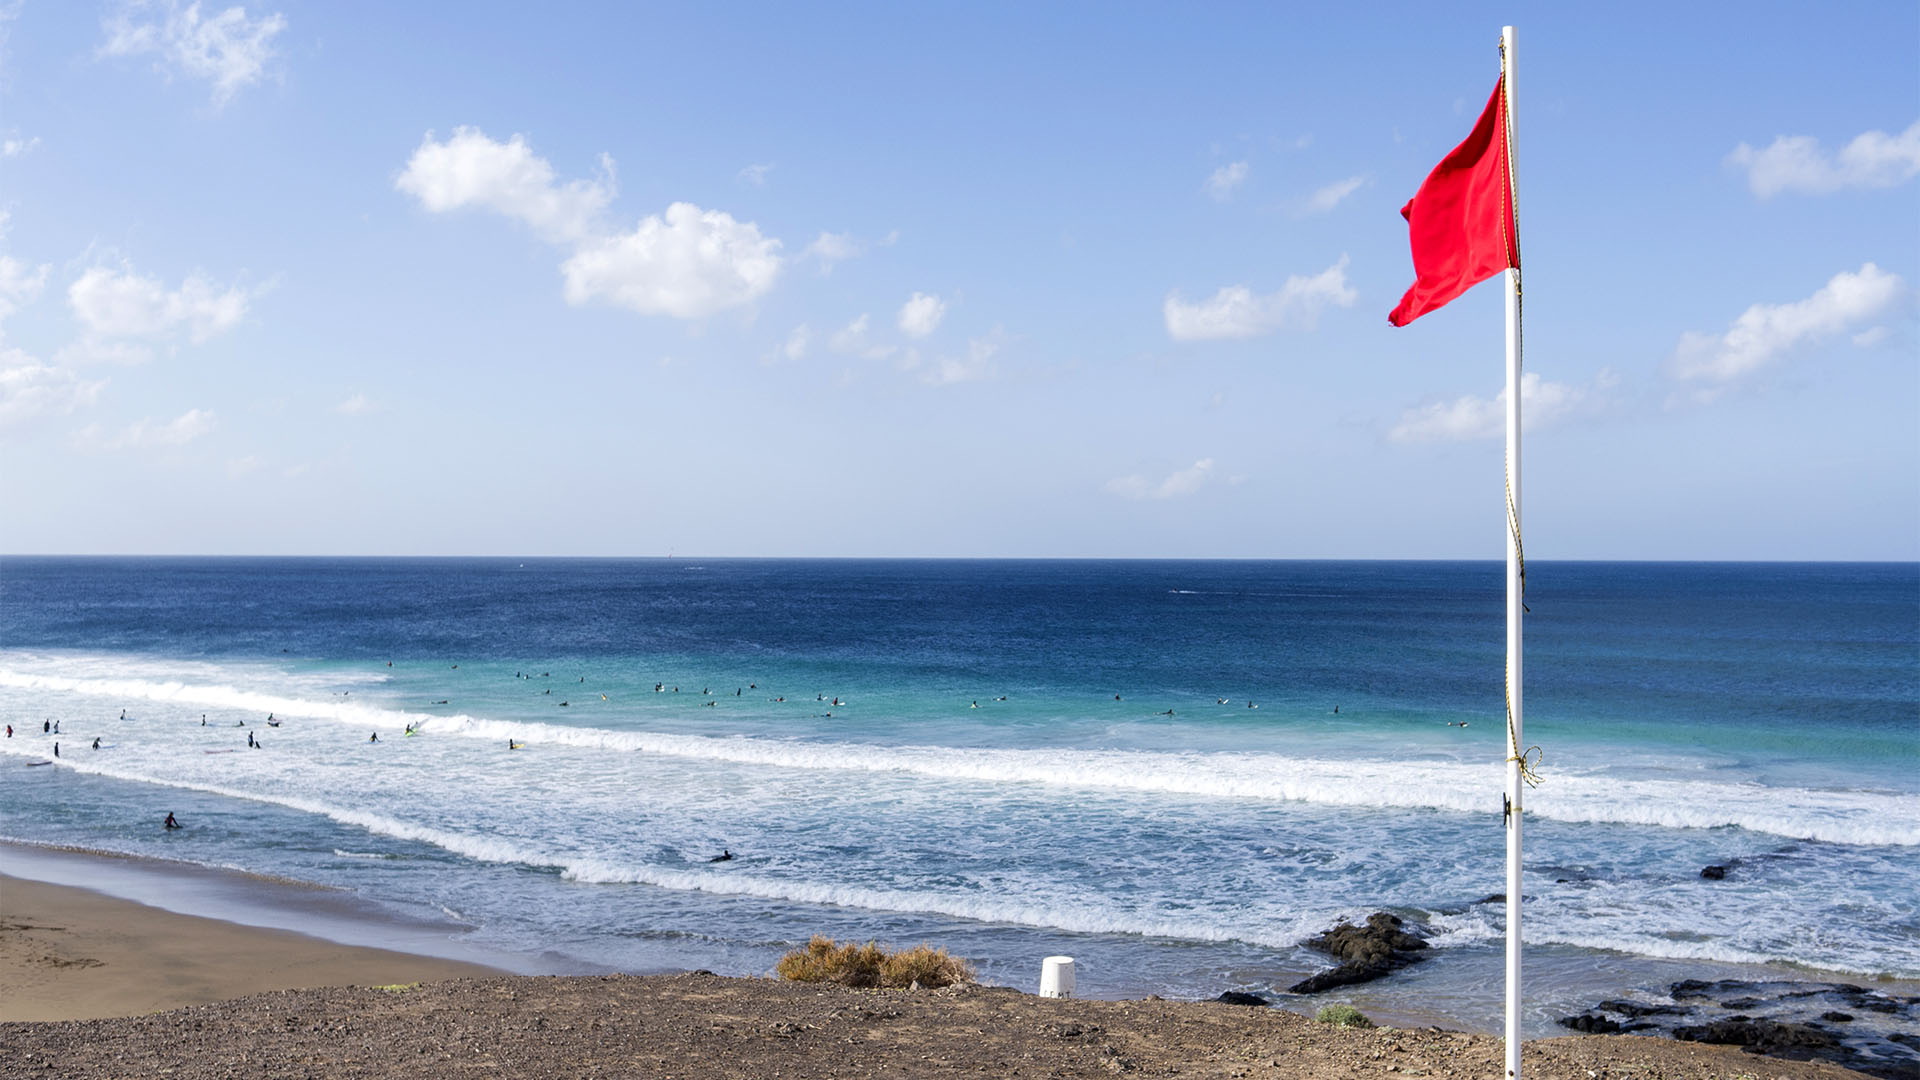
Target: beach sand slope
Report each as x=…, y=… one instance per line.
x=68, y=953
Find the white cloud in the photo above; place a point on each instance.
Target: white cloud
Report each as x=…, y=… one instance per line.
x=179, y=431
x=1182, y=482
x=830, y=248
x=755, y=175
x=1765, y=331
x=1221, y=185
x=852, y=340
x=228, y=50
x=796, y=346
x=1329, y=197
x=472, y=170
x=29, y=388
x=976, y=364
x=687, y=263
x=690, y=264
x=1235, y=312
x=14, y=146
x=356, y=405
x=1797, y=163
x=20, y=284
x=1470, y=417
x=123, y=304
x=147, y=434
x=921, y=314
x=1868, y=338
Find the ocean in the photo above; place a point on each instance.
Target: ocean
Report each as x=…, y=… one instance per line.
x=1173, y=771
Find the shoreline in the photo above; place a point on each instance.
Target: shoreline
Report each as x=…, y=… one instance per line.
x=85, y=953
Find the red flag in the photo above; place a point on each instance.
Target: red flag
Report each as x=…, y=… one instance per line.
x=1461, y=220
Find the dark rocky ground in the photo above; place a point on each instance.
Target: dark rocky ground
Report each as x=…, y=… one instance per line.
x=703, y=1027
x=1855, y=1026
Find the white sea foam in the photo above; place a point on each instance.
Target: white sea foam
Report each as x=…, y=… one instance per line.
x=1843, y=817
x=1087, y=918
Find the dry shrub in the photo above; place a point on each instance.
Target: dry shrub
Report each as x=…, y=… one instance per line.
x=869, y=965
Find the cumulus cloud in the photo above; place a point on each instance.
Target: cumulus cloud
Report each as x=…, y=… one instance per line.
x=921, y=314
x=1470, y=417
x=471, y=170
x=147, y=434
x=229, y=49
x=796, y=346
x=1798, y=163
x=853, y=339
x=1330, y=196
x=687, y=263
x=1236, y=312
x=976, y=363
x=29, y=388
x=1181, y=482
x=120, y=303
x=1765, y=332
x=1221, y=185
x=20, y=284
x=830, y=248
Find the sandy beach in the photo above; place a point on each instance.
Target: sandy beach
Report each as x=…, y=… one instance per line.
x=68, y=954
x=92, y=985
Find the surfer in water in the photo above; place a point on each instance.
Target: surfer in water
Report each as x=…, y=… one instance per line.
x=96, y=742
x=172, y=824
x=724, y=856
x=375, y=737
x=249, y=738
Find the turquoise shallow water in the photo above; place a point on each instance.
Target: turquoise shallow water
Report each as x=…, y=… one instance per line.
x=1000, y=774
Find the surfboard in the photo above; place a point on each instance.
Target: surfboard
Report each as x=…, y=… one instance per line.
x=31, y=764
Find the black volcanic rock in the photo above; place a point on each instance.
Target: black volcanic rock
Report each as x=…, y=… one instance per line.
x=1235, y=997
x=1367, y=953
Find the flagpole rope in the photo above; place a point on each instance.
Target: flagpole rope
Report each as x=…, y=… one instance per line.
x=1527, y=759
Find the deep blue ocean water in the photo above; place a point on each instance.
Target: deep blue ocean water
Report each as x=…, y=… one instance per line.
x=1137, y=763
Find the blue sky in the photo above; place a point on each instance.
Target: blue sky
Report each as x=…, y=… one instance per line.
x=975, y=280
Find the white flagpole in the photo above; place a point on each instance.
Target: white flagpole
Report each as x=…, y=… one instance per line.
x=1514, y=606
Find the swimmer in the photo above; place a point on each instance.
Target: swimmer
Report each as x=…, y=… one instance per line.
x=172, y=824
